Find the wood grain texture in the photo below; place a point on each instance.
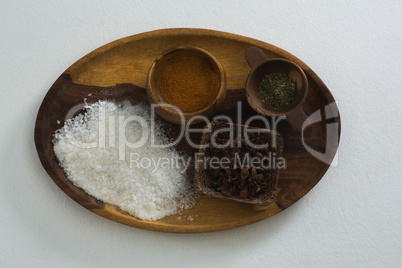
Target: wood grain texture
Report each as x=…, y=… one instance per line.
x=118, y=71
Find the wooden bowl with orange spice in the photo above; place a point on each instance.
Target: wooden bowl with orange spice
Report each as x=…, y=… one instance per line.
x=185, y=83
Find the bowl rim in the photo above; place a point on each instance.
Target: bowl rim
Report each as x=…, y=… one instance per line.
x=222, y=75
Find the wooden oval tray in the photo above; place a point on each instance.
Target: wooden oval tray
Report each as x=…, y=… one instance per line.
x=118, y=71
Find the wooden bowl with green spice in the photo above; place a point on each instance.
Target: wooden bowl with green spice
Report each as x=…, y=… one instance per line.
x=276, y=87
x=186, y=83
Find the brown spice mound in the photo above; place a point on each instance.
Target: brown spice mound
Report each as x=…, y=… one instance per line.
x=189, y=86
x=243, y=181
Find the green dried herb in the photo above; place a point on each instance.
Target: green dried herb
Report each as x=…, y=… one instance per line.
x=277, y=91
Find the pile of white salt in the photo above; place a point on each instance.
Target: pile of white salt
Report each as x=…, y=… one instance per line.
x=88, y=146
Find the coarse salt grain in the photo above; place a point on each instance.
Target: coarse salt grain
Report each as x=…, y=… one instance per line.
x=146, y=193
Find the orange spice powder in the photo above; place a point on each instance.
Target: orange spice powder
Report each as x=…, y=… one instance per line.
x=188, y=86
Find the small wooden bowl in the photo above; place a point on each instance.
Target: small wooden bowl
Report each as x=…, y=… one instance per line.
x=184, y=54
x=203, y=183
x=260, y=67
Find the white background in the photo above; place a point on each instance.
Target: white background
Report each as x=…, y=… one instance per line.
x=351, y=218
